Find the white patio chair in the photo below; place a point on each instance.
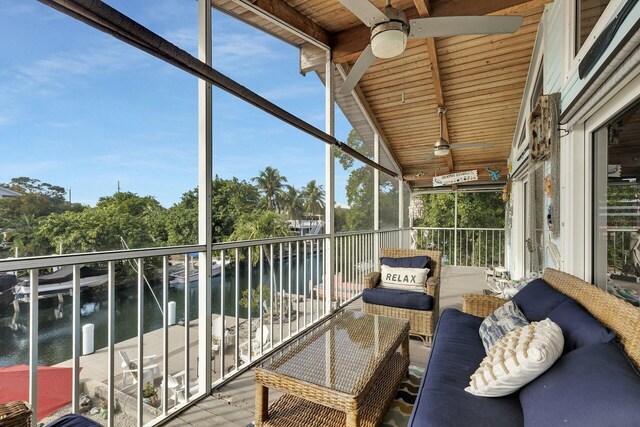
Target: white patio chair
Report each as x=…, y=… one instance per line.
x=261, y=338
x=217, y=333
x=176, y=384
x=150, y=370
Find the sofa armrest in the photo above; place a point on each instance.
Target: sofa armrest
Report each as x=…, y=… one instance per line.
x=372, y=280
x=480, y=305
x=432, y=286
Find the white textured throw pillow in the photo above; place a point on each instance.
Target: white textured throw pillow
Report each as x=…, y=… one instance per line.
x=518, y=358
x=407, y=279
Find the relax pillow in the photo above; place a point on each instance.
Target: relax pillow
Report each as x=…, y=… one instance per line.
x=537, y=299
x=505, y=319
x=406, y=279
x=519, y=357
x=595, y=385
x=579, y=328
x=420, y=261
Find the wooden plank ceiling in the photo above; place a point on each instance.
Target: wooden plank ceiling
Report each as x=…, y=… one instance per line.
x=479, y=79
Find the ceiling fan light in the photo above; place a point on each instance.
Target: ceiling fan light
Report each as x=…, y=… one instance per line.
x=443, y=151
x=389, y=43
x=441, y=148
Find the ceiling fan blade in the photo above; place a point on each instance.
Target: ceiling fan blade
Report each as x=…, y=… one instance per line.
x=430, y=156
x=446, y=26
x=463, y=145
x=359, y=68
x=366, y=11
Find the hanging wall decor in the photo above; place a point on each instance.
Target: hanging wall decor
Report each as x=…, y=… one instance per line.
x=543, y=127
x=548, y=185
x=506, y=190
x=455, y=178
x=416, y=208
x=493, y=174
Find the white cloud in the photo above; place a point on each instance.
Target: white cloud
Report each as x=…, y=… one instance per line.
x=185, y=38
x=30, y=168
x=243, y=55
x=297, y=90
x=49, y=75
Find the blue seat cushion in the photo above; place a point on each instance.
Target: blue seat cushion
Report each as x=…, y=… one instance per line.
x=421, y=261
x=537, y=299
x=398, y=298
x=72, y=420
x=456, y=354
x=594, y=385
x=579, y=328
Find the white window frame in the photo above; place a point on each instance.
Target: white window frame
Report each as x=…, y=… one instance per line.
x=625, y=96
x=572, y=58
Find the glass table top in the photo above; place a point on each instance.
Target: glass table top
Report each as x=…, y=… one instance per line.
x=343, y=353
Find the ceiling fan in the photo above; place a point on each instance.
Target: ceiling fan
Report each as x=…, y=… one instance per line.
x=442, y=146
x=390, y=31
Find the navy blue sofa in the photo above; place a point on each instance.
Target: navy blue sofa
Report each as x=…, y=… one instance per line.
x=594, y=383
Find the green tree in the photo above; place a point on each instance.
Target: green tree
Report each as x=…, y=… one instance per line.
x=181, y=220
x=271, y=185
x=260, y=225
x=313, y=195
x=293, y=203
x=22, y=236
x=37, y=199
x=95, y=229
x=230, y=199
x=20, y=216
x=130, y=203
x=360, y=191
x=438, y=211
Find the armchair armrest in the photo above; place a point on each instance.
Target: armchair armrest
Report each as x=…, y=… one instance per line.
x=480, y=305
x=431, y=286
x=372, y=280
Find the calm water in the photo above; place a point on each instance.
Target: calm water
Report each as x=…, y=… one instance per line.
x=55, y=335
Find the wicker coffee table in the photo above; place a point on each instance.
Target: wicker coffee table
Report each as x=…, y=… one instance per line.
x=346, y=372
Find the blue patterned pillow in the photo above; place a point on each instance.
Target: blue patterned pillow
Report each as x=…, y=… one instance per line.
x=502, y=321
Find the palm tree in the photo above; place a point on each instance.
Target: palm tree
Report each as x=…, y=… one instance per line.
x=293, y=202
x=314, y=197
x=271, y=185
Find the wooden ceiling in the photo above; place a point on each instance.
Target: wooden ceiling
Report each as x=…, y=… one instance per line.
x=479, y=79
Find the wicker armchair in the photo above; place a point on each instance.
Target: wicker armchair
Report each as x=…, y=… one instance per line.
x=15, y=414
x=421, y=323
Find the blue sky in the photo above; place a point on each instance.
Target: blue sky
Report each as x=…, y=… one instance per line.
x=83, y=110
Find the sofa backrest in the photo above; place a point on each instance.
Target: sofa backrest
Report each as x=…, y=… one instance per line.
x=618, y=315
x=434, y=264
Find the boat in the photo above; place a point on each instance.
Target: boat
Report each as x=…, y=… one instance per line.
x=60, y=282
x=89, y=308
x=176, y=273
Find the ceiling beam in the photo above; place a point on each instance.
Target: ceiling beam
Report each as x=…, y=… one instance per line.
x=432, y=51
x=281, y=11
x=347, y=45
x=362, y=100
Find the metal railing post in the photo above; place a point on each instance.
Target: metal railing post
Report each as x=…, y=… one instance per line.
x=400, y=211
x=376, y=199
x=76, y=333
x=455, y=229
x=33, y=344
x=205, y=175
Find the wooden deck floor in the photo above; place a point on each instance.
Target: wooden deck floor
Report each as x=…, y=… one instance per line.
x=233, y=404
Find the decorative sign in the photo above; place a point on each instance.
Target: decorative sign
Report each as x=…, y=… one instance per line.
x=455, y=178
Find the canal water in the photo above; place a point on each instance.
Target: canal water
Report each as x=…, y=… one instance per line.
x=55, y=333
